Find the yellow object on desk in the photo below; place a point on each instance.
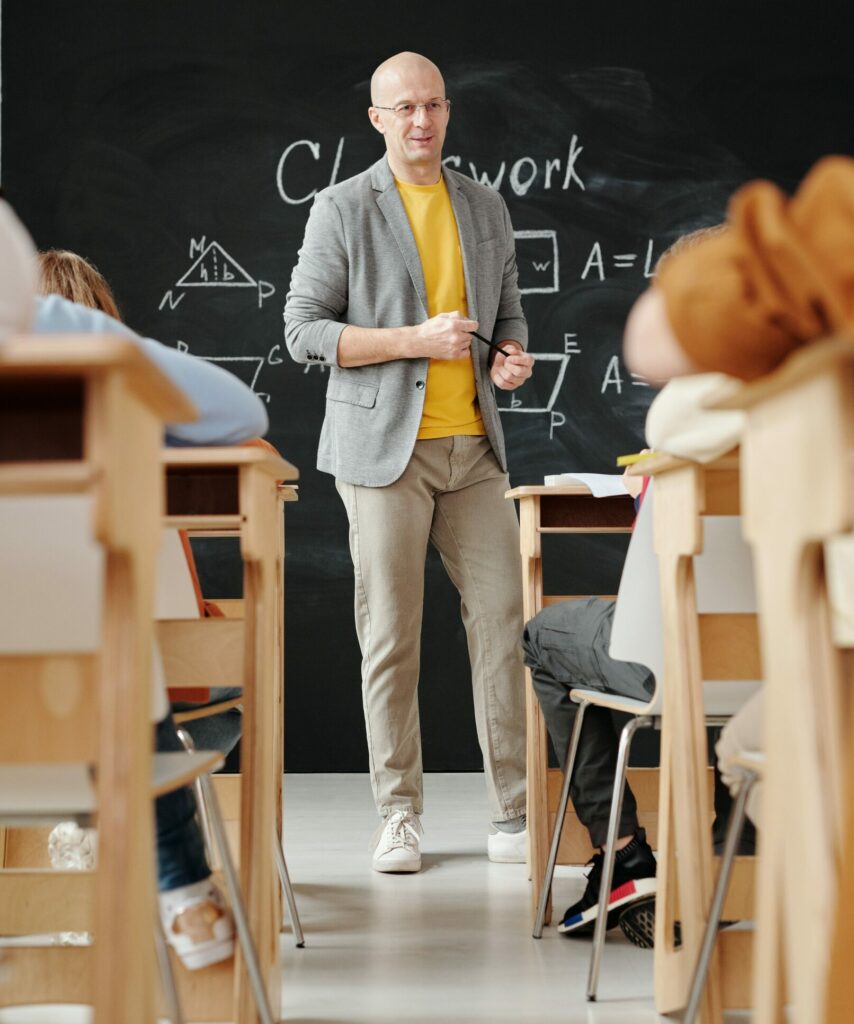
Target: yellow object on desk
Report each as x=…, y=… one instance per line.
x=630, y=460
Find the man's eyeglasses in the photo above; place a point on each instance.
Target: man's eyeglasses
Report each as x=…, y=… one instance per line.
x=406, y=110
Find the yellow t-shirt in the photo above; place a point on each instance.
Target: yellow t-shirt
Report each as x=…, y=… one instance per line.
x=450, y=401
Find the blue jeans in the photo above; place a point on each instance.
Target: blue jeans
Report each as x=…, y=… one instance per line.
x=181, y=856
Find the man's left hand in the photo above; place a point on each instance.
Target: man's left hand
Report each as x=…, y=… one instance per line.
x=509, y=372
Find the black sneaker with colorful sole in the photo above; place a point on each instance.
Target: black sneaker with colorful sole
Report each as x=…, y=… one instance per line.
x=633, y=881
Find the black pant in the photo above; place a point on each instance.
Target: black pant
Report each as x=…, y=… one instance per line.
x=566, y=647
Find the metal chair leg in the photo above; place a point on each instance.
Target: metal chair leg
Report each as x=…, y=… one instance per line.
x=204, y=819
x=626, y=737
x=285, y=879
x=167, y=975
x=569, y=766
x=244, y=935
x=733, y=837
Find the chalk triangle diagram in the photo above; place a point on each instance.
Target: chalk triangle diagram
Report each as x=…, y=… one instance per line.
x=216, y=269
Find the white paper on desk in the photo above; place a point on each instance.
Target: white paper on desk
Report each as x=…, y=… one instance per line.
x=601, y=485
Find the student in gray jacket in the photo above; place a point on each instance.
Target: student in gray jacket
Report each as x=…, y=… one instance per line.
x=399, y=265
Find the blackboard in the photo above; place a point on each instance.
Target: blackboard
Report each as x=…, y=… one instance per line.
x=178, y=147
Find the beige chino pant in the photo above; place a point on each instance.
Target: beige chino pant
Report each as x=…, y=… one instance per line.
x=451, y=494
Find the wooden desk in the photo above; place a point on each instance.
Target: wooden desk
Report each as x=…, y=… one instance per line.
x=798, y=491
x=84, y=414
x=548, y=510
x=697, y=647
x=238, y=492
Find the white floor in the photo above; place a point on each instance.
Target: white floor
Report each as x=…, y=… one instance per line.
x=451, y=944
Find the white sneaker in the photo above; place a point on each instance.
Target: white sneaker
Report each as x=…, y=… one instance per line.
x=197, y=924
x=507, y=847
x=398, y=844
x=72, y=848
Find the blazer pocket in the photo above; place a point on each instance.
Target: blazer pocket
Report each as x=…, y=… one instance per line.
x=353, y=393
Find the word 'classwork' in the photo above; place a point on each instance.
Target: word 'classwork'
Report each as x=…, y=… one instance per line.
x=551, y=174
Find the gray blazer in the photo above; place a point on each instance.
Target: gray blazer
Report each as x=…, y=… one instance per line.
x=359, y=265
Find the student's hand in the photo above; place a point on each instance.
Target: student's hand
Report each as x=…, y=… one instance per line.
x=446, y=336
x=509, y=372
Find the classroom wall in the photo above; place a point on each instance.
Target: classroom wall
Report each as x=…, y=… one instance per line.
x=179, y=146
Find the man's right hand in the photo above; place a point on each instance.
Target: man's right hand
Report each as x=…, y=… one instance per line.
x=446, y=336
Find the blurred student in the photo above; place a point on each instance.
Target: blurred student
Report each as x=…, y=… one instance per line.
x=196, y=919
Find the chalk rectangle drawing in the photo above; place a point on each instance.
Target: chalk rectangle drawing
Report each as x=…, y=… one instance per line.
x=538, y=261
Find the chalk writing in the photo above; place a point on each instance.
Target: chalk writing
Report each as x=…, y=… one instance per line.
x=570, y=345
x=524, y=172
x=253, y=363
x=516, y=403
x=621, y=261
x=538, y=260
x=314, y=149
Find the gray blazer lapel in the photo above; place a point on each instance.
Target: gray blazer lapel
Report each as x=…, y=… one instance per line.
x=391, y=206
x=468, y=241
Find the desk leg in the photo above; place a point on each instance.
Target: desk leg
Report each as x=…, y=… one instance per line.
x=123, y=980
x=279, y=716
x=537, y=744
x=802, y=794
x=259, y=546
x=125, y=439
x=685, y=855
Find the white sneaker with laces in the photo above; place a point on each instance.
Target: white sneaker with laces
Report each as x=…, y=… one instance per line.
x=197, y=924
x=398, y=844
x=507, y=847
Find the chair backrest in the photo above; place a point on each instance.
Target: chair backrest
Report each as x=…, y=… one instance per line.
x=723, y=576
x=52, y=573
x=51, y=597
x=175, y=594
x=637, y=631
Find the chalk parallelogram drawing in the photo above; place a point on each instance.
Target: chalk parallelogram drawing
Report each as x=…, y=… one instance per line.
x=538, y=260
x=213, y=267
x=272, y=358
x=516, y=404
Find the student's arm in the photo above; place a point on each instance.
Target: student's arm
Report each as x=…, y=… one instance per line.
x=229, y=412
x=742, y=300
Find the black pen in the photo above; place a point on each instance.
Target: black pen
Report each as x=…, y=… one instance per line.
x=491, y=344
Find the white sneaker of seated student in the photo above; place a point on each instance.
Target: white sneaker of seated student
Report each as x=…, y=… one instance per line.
x=197, y=924
x=397, y=844
x=72, y=848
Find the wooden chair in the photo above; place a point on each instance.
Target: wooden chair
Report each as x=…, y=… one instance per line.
x=179, y=596
x=236, y=492
x=83, y=416
x=798, y=494
x=698, y=645
x=547, y=511
x=637, y=635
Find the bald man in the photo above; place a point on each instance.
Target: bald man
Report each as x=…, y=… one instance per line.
x=399, y=265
